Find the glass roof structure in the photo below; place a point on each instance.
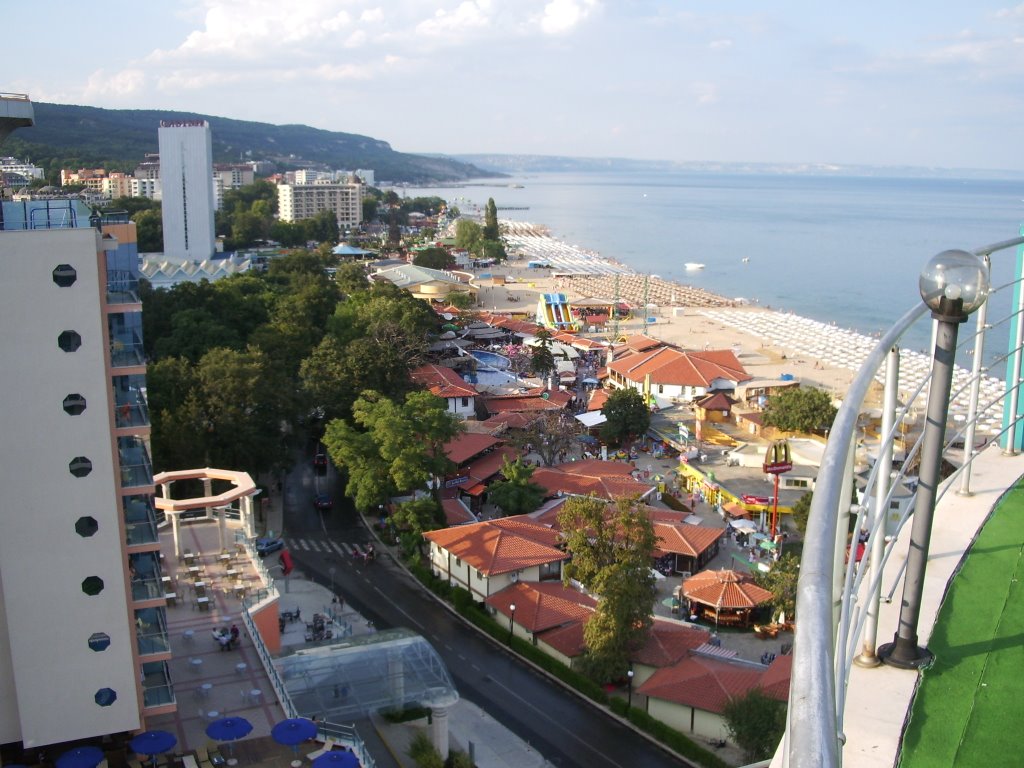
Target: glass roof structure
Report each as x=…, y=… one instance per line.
x=392, y=669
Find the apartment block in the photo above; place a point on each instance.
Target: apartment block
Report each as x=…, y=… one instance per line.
x=303, y=201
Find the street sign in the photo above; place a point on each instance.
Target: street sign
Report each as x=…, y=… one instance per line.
x=777, y=458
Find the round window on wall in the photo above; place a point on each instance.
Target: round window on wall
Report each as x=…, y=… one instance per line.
x=74, y=404
x=86, y=526
x=69, y=341
x=105, y=697
x=80, y=466
x=64, y=275
x=92, y=585
x=99, y=641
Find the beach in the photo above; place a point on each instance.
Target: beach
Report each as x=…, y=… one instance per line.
x=769, y=343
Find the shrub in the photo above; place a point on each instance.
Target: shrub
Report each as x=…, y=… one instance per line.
x=424, y=753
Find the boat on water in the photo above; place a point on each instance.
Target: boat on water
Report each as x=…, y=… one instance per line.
x=693, y=266
x=746, y=259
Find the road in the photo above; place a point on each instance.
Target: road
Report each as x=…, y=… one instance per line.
x=566, y=730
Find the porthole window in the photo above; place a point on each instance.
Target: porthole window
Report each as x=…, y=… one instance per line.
x=99, y=641
x=74, y=404
x=69, y=341
x=86, y=526
x=80, y=466
x=105, y=697
x=92, y=585
x=64, y=275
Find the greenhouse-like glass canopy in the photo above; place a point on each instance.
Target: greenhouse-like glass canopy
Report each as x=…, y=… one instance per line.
x=392, y=669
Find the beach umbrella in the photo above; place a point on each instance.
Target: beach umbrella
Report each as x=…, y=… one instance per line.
x=340, y=759
x=153, y=743
x=292, y=732
x=81, y=757
x=228, y=729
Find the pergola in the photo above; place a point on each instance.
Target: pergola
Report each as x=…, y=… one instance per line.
x=726, y=597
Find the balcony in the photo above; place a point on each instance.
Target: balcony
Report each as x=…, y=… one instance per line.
x=145, y=576
x=126, y=348
x=157, y=689
x=140, y=520
x=151, y=631
x=136, y=468
x=122, y=290
x=130, y=407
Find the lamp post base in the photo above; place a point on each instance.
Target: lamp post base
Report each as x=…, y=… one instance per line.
x=905, y=656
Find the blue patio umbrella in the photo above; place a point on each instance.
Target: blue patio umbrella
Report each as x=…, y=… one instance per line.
x=228, y=729
x=153, y=743
x=293, y=732
x=340, y=759
x=81, y=757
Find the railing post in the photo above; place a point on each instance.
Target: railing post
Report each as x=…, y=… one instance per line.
x=972, y=405
x=1013, y=370
x=868, y=657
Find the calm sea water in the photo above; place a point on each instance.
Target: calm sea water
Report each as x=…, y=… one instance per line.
x=838, y=249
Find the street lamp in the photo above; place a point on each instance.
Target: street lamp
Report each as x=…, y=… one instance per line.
x=511, y=621
x=629, y=699
x=953, y=284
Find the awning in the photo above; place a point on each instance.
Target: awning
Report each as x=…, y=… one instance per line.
x=475, y=490
x=591, y=419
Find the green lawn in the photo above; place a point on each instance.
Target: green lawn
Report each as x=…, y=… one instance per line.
x=969, y=708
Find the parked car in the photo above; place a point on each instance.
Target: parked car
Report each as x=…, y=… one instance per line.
x=265, y=547
x=323, y=501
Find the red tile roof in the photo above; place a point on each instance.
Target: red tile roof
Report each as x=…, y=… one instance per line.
x=597, y=399
x=775, y=680
x=519, y=403
x=456, y=513
x=541, y=606
x=715, y=401
x=442, y=381
x=512, y=420
x=702, y=683
x=667, y=365
x=486, y=467
x=567, y=640
x=684, y=539
x=500, y=546
x=725, y=589
x=465, y=446
x=592, y=480
x=668, y=643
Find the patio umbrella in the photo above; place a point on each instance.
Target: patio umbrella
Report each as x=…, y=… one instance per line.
x=153, y=743
x=228, y=729
x=293, y=732
x=340, y=759
x=81, y=757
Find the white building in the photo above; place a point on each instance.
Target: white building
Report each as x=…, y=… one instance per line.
x=230, y=176
x=303, y=201
x=366, y=175
x=15, y=166
x=146, y=187
x=83, y=645
x=186, y=173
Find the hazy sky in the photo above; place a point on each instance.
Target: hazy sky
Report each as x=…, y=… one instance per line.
x=893, y=82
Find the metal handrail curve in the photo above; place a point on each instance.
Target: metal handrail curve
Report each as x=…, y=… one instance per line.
x=825, y=631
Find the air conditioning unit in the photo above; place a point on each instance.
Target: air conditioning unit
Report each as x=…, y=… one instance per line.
x=686, y=574
x=515, y=577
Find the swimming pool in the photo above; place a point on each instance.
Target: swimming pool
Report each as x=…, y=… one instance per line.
x=491, y=360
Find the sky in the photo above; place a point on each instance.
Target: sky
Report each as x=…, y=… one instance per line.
x=872, y=82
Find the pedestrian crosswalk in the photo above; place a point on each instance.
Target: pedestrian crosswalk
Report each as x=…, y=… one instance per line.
x=342, y=548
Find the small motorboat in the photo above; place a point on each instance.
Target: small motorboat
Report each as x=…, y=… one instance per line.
x=693, y=266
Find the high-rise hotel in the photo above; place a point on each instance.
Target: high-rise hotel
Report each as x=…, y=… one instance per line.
x=83, y=639
x=186, y=180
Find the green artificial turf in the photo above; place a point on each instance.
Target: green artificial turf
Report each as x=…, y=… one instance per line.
x=969, y=707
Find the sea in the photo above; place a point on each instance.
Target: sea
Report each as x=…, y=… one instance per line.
x=840, y=249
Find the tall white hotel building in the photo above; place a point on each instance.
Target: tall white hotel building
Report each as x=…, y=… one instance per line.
x=186, y=180
x=83, y=639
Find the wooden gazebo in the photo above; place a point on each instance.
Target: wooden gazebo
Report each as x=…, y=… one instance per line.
x=725, y=597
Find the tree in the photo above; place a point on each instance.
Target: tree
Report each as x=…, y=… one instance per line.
x=800, y=512
x=467, y=234
x=461, y=299
x=626, y=414
x=432, y=258
x=490, y=229
x=550, y=435
x=414, y=518
x=400, y=445
x=781, y=582
x=612, y=546
x=542, y=359
x=756, y=723
x=517, y=494
x=799, y=409
x=149, y=230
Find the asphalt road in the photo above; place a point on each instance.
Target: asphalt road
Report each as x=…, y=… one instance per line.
x=558, y=724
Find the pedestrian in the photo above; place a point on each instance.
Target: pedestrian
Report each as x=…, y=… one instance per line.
x=234, y=634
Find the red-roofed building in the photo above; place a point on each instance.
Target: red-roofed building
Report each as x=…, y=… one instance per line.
x=464, y=447
x=691, y=696
x=672, y=373
x=715, y=407
x=548, y=614
x=685, y=548
x=498, y=404
x=486, y=557
x=457, y=513
x=605, y=479
x=478, y=458
x=667, y=644
x=447, y=384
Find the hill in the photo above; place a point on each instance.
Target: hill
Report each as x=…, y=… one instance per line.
x=85, y=137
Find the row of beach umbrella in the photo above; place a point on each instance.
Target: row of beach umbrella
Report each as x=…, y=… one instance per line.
x=290, y=733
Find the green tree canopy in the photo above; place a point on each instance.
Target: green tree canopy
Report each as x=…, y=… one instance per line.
x=467, y=234
x=627, y=416
x=781, y=582
x=800, y=409
x=612, y=546
x=551, y=434
x=542, y=359
x=490, y=229
x=756, y=723
x=432, y=258
x=517, y=494
x=414, y=518
x=801, y=511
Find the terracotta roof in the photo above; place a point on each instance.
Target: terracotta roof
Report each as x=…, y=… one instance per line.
x=456, y=513
x=667, y=643
x=667, y=365
x=603, y=484
x=725, y=589
x=715, y=401
x=597, y=399
x=684, y=539
x=639, y=343
x=542, y=605
x=465, y=446
x=484, y=468
x=598, y=467
x=702, y=683
x=519, y=403
x=775, y=680
x=567, y=640
x=442, y=381
x=753, y=417
x=512, y=419
x=500, y=546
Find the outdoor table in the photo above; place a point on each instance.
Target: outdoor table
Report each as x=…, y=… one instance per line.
x=199, y=585
x=188, y=635
x=225, y=557
x=231, y=573
x=171, y=598
x=205, y=688
x=240, y=667
x=196, y=664
x=193, y=570
x=254, y=695
x=203, y=603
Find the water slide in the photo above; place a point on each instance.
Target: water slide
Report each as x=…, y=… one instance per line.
x=553, y=311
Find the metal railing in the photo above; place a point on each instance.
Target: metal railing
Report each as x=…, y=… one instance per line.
x=837, y=599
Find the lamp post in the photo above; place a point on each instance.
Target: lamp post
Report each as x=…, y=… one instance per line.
x=629, y=696
x=511, y=621
x=953, y=284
